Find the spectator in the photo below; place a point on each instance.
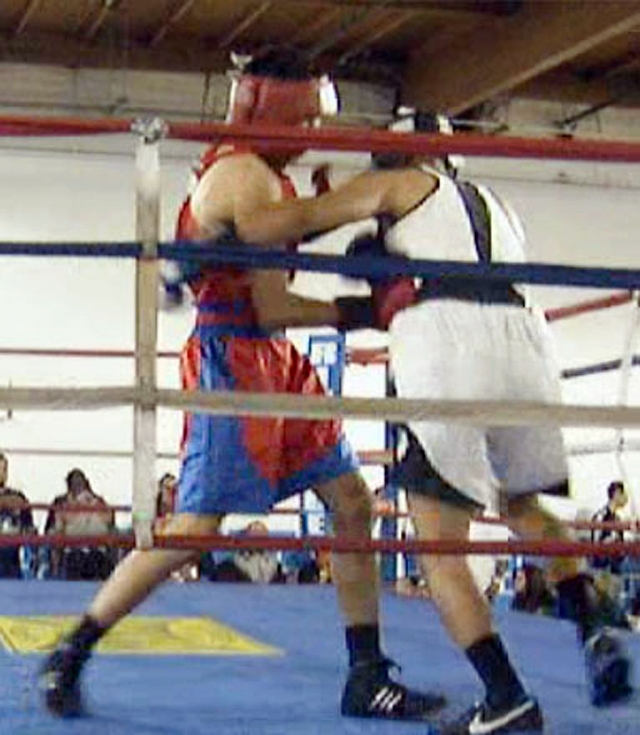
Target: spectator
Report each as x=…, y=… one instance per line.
x=532, y=592
x=306, y=566
x=250, y=565
x=496, y=584
x=608, y=569
x=15, y=518
x=165, y=508
x=73, y=514
x=166, y=499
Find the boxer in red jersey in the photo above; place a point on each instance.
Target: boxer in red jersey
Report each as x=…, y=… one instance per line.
x=240, y=464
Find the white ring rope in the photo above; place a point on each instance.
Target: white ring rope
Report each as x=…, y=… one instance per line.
x=573, y=450
x=473, y=413
x=602, y=447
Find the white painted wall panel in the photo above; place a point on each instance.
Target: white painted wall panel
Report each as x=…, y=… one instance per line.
x=60, y=195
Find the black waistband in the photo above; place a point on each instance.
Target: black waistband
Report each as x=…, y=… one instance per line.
x=471, y=290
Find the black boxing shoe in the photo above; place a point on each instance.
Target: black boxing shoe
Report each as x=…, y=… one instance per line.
x=59, y=682
x=371, y=692
x=608, y=669
x=523, y=716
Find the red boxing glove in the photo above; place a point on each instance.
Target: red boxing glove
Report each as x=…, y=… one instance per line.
x=376, y=311
x=390, y=297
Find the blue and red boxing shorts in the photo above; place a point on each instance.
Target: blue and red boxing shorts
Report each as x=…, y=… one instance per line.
x=247, y=464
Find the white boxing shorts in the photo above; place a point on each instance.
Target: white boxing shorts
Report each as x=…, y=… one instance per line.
x=462, y=350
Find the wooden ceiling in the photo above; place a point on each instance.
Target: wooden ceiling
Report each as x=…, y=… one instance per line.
x=451, y=55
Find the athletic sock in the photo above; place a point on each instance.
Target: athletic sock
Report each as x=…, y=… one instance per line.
x=578, y=601
x=491, y=662
x=85, y=635
x=363, y=643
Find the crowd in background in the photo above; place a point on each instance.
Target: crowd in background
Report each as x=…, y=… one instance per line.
x=80, y=511
x=616, y=578
x=523, y=582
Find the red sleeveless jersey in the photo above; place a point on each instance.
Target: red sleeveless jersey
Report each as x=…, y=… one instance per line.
x=221, y=287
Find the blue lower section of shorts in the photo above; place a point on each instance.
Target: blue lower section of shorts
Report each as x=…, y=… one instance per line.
x=210, y=483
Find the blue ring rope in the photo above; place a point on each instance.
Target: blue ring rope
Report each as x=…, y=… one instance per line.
x=248, y=256
x=597, y=368
x=391, y=266
x=73, y=250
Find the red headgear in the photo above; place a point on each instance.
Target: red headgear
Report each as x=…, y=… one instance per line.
x=283, y=101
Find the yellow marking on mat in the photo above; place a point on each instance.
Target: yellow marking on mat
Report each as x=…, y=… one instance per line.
x=136, y=635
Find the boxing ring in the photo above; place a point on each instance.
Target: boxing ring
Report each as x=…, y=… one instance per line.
x=238, y=659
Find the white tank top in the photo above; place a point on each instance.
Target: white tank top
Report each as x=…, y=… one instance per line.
x=439, y=228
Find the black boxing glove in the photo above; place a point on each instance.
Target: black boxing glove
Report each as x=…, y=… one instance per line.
x=355, y=312
x=358, y=312
x=388, y=295
x=367, y=244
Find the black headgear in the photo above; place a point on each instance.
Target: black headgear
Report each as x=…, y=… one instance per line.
x=414, y=121
x=279, y=62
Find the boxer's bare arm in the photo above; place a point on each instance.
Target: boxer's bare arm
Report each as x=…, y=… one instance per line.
x=238, y=188
x=368, y=194
x=240, y=182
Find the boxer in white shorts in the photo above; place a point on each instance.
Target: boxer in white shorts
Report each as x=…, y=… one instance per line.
x=461, y=340
x=490, y=347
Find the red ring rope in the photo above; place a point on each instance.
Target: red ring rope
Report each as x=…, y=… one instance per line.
x=286, y=138
x=547, y=547
x=486, y=520
x=583, y=307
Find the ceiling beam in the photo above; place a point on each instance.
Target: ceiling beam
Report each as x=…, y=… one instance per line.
x=443, y=8
x=180, y=10
x=567, y=87
x=246, y=22
x=47, y=48
x=357, y=17
x=623, y=65
x=314, y=29
x=96, y=23
x=26, y=16
x=511, y=51
x=389, y=25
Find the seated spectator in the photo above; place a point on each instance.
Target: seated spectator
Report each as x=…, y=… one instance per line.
x=607, y=570
x=303, y=567
x=73, y=514
x=165, y=507
x=165, y=499
x=250, y=565
x=634, y=608
x=532, y=593
x=413, y=586
x=496, y=583
x=609, y=610
x=15, y=518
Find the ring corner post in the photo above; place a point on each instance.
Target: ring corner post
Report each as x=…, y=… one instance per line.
x=150, y=133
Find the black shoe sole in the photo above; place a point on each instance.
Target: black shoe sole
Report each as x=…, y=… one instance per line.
x=62, y=707
x=60, y=701
x=614, y=685
x=432, y=705
x=530, y=722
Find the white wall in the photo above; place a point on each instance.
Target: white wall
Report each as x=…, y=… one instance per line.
x=72, y=194
x=586, y=225
x=74, y=303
